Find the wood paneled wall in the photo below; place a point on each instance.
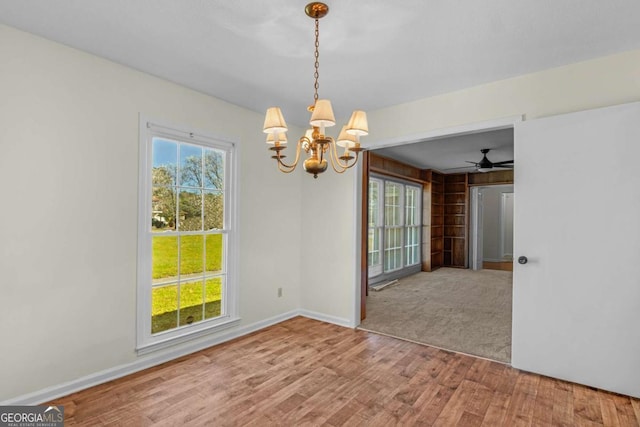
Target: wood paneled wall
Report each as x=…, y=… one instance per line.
x=491, y=178
x=394, y=168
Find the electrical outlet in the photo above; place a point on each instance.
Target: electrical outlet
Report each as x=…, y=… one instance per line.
x=279, y=292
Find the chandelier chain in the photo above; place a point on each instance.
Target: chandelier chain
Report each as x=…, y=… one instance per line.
x=320, y=148
x=316, y=65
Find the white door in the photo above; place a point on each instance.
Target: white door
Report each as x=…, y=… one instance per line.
x=576, y=302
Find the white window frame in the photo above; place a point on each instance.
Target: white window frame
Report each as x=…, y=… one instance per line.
x=399, y=227
x=376, y=269
x=146, y=341
x=416, y=227
x=381, y=273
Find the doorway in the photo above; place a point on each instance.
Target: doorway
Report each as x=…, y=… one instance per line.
x=454, y=305
x=491, y=227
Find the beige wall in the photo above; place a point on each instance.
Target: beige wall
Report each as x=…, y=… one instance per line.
x=68, y=218
x=597, y=83
x=605, y=81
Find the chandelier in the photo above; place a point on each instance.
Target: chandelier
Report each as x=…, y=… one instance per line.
x=315, y=142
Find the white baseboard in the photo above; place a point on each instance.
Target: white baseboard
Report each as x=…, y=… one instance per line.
x=326, y=318
x=64, y=389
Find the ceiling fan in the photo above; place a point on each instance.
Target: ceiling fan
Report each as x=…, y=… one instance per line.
x=486, y=165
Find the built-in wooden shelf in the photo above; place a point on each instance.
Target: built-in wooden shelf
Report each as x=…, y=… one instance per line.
x=435, y=190
x=456, y=195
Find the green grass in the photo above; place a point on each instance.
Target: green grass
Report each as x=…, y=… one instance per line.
x=164, y=306
x=165, y=255
x=164, y=301
x=166, y=321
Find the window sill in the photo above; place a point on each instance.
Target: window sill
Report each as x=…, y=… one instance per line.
x=221, y=325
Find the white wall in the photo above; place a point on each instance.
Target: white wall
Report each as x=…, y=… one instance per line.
x=604, y=81
x=491, y=213
x=328, y=228
x=68, y=221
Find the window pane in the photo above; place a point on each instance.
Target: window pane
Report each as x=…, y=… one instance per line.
x=163, y=208
x=191, y=302
x=213, y=169
x=392, y=208
x=214, y=253
x=165, y=161
x=164, y=258
x=374, y=201
x=374, y=247
x=164, y=308
x=190, y=166
x=191, y=255
x=213, y=210
x=190, y=210
x=393, y=249
x=412, y=245
x=412, y=214
x=213, y=298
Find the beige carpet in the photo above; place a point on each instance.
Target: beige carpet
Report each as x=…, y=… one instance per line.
x=461, y=310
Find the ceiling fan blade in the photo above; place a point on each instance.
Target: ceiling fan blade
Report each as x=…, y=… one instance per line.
x=503, y=166
x=475, y=163
x=505, y=162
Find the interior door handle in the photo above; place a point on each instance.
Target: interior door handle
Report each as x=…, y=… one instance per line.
x=522, y=260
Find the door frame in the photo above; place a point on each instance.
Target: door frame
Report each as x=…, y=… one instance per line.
x=476, y=232
x=504, y=213
x=361, y=197
x=476, y=229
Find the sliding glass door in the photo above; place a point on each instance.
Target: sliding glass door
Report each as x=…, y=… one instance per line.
x=394, y=228
x=374, y=254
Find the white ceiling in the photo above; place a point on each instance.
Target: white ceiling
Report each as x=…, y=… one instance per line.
x=450, y=154
x=257, y=53
x=373, y=54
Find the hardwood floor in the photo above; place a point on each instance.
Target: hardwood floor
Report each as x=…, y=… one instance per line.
x=305, y=372
x=504, y=265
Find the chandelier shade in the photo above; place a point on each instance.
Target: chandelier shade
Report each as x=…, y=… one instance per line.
x=314, y=142
x=358, y=124
x=322, y=114
x=274, y=121
x=347, y=140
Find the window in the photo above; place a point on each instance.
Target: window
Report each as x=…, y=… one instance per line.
x=393, y=221
x=375, y=228
x=186, y=279
x=394, y=227
x=412, y=225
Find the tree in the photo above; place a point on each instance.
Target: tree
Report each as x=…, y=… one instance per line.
x=164, y=196
x=210, y=176
x=207, y=175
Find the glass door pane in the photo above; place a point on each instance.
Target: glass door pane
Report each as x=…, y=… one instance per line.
x=374, y=255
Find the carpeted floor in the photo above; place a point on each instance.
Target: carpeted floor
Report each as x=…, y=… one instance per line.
x=461, y=310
